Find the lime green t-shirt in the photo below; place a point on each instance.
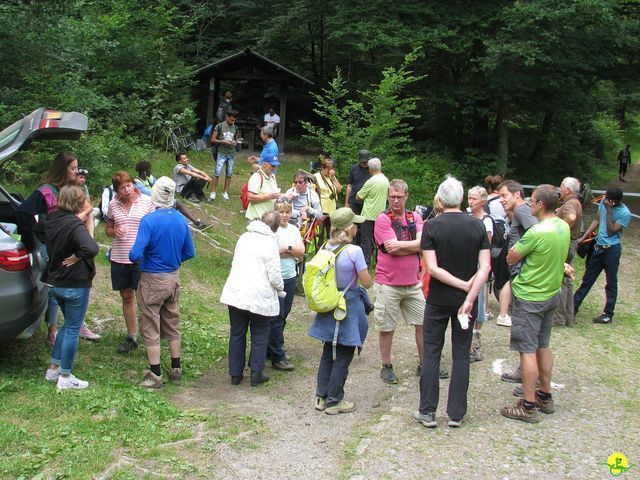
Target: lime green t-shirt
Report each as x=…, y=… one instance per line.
x=544, y=247
x=374, y=193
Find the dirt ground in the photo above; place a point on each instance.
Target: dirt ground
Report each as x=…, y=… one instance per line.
x=273, y=431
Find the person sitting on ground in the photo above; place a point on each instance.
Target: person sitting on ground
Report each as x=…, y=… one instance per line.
x=262, y=189
x=70, y=272
x=477, y=198
x=305, y=201
x=145, y=182
x=162, y=244
x=189, y=180
x=291, y=249
x=256, y=262
x=270, y=147
x=352, y=330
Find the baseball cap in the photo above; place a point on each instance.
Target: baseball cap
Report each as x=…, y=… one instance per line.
x=271, y=159
x=343, y=217
x=364, y=155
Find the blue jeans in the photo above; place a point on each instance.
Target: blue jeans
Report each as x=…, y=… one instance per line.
x=51, y=314
x=73, y=303
x=221, y=161
x=275, y=350
x=482, y=305
x=601, y=259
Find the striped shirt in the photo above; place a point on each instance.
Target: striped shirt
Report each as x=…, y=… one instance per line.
x=130, y=221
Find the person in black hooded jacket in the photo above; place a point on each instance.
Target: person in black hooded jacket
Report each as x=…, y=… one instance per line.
x=70, y=273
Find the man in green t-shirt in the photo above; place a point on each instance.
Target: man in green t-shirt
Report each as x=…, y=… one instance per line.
x=224, y=136
x=543, y=251
x=374, y=195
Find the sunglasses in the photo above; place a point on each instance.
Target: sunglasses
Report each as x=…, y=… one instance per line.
x=83, y=171
x=299, y=182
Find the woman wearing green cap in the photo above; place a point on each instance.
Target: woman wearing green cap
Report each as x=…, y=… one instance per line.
x=352, y=331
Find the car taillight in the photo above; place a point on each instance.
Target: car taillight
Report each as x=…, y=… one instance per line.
x=50, y=119
x=14, y=260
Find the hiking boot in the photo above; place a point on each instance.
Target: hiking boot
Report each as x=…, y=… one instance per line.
x=152, y=381
x=520, y=412
x=321, y=404
x=604, y=318
x=236, y=379
x=504, y=320
x=476, y=355
x=545, y=406
x=388, y=375
x=88, y=334
x=426, y=419
x=225, y=196
x=70, y=383
x=341, y=407
x=193, y=198
x=454, y=423
x=129, y=344
x=51, y=338
x=212, y=196
x=512, y=377
x=200, y=225
x=52, y=375
x=257, y=378
x=443, y=373
x=283, y=365
x=175, y=376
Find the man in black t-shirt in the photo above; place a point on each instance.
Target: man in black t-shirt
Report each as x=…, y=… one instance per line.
x=456, y=247
x=358, y=175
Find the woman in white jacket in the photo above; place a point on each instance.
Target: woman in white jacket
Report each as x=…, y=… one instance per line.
x=251, y=293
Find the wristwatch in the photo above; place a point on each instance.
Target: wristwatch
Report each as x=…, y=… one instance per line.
x=289, y=248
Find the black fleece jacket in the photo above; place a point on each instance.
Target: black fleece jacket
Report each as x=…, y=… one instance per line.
x=67, y=235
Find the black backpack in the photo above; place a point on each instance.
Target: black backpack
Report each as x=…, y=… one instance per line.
x=500, y=234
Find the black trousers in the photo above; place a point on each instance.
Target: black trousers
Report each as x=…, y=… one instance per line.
x=194, y=187
x=241, y=321
x=436, y=319
x=332, y=374
x=366, y=239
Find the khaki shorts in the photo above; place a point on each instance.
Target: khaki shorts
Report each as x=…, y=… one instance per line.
x=395, y=302
x=158, y=302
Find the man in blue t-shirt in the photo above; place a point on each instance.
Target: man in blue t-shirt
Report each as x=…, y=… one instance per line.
x=270, y=148
x=613, y=217
x=163, y=243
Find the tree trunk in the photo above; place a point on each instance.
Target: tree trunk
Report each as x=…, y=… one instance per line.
x=538, y=149
x=502, y=136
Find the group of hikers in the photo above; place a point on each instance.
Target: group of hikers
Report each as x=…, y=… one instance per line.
x=433, y=269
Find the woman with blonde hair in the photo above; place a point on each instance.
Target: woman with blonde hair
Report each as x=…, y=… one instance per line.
x=352, y=331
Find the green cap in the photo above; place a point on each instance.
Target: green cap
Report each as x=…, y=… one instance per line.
x=343, y=217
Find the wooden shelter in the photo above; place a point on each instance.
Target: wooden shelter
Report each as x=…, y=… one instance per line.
x=249, y=66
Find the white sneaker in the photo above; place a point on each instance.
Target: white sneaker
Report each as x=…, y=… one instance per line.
x=52, y=375
x=71, y=383
x=504, y=321
x=225, y=196
x=212, y=196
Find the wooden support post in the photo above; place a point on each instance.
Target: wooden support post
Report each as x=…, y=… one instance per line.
x=283, y=119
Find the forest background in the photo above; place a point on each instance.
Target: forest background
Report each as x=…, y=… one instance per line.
x=537, y=89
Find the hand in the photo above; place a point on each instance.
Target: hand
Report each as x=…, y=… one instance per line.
x=70, y=260
x=392, y=245
x=120, y=232
x=466, y=308
x=332, y=174
x=273, y=195
x=607, y=203
x=569, y=271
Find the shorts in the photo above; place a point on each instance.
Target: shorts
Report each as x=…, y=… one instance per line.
x=393, y=302
x=223, y=159
x=159, y=307
x=500, y=271
x=531, y=323
x=125, y=275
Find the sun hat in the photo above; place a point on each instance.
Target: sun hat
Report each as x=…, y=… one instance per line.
x=343, y=217
x=162, y=192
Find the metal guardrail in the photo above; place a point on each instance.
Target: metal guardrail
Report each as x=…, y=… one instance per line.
x=600, y=192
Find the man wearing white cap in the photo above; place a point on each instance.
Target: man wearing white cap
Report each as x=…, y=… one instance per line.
x=163, y=243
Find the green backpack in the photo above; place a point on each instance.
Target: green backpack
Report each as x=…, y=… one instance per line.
x=320, y=286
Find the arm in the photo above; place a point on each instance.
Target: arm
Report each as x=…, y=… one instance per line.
x=365, y=278
x=387, y=241
x=188, y=251
x=479, y=279
x=514, y=256
x=274, y=274
x=142, y=240
x=315, y=209
x=590, y=230
x=200, y=174
x=263, y=197
x=336, y=183
x=182, y=208
x=612, y=228
x=348, y=195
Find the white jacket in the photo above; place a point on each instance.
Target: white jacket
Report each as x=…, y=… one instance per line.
x=255, y=277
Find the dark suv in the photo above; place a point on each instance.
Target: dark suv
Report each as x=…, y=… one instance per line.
x=23, y=297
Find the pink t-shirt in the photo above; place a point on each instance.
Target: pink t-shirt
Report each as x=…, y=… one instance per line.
x=398, y=270
x=120, y=247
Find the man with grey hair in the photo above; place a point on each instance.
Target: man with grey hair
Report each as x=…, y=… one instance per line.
x=570, y=211
x=163, y=243
x=398, y=287
x=457, y=253
x=373, y=194
x=270, y=147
